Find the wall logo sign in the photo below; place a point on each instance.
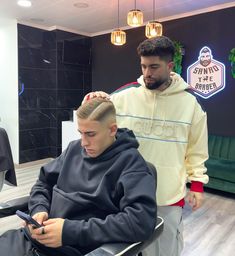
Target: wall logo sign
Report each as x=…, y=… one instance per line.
x=206, y=76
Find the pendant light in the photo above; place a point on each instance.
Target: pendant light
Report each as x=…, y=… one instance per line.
x=118, y=37
x=153, y=28
x=135, y=17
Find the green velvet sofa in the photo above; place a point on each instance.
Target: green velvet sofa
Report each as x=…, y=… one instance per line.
x=221, y=163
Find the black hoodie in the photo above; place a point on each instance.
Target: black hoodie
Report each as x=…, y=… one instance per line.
x=110, y=198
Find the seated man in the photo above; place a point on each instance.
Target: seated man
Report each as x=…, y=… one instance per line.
x=98, y=190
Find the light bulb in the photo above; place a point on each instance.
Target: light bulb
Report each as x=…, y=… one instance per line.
x=135, y=20
x=118, y=39
x=153, y=32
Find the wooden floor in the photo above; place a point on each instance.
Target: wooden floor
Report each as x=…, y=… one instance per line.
x=209, y=231
x=26, y=177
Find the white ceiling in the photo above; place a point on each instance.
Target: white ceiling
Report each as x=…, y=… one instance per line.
x=101, y=16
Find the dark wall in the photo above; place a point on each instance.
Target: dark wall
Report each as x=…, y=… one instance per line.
x=114, y=66
x=49, y=90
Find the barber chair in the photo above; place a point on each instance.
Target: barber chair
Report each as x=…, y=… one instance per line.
x=7, y=170
x=125, y=249
x=8, y=176
x=110, y=249
x=2, y=179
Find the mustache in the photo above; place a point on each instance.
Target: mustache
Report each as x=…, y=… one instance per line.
x=149, y=78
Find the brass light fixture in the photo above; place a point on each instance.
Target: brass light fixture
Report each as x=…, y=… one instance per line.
x=135, y=17
x=118, y=37
x=153, y=28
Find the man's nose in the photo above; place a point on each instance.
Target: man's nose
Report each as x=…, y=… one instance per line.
x=147, y=72
x=84, y=141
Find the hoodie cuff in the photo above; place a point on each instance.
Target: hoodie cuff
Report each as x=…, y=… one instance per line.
x=197, y=186
x=39, y=208
x=70, y=232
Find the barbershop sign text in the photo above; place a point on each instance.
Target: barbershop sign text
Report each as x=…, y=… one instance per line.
x=206, y=76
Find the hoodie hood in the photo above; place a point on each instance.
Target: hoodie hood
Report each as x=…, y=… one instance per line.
x=125, y=139
x=177, y=85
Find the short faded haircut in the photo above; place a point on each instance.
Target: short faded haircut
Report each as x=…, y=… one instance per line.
x=97, y=109
x=160, y=46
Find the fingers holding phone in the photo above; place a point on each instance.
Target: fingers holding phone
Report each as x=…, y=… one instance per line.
x=38, y=233
x=28, y=219
x=34, y=222
x=40, y=217
x=47, y=232
x=50, y=234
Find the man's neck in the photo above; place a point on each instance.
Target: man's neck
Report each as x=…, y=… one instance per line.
x=165, y=85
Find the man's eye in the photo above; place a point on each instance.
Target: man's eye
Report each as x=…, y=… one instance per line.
x=91, y=134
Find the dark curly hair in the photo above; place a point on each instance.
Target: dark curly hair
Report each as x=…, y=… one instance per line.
x=160, y=46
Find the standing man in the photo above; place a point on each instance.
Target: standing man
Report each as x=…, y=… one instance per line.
x=171, y=128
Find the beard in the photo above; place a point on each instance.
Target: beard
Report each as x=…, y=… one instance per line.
x=205, y=62
x=156, y=84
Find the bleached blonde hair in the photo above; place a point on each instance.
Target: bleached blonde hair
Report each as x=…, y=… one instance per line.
x=97, y=109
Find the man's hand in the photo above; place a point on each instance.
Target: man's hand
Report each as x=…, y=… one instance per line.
x=39, y=217
x=195, y=199
x=92, y=95
x=50, y=234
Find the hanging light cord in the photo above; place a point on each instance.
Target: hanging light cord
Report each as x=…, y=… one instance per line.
x=135, y=4
x=118, y=14
x=153, y=10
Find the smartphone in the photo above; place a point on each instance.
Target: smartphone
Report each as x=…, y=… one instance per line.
x=28, y=219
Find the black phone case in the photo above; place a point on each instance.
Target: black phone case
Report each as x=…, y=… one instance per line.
x=28, y=219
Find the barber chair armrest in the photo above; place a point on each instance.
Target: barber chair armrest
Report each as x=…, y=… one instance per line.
x=126, y=249
x=10, y=207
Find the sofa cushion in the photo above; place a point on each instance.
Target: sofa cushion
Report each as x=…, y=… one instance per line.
x=221, y=169
x=221, y=185
x=222, y=147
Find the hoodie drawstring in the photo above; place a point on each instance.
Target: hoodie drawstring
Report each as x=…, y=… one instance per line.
x=153, y=111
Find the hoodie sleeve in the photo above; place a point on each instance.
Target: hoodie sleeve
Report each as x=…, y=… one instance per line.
x=134, y=222
x=197, y=151
x=41, y=192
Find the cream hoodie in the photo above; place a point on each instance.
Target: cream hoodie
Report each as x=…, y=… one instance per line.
x=171, y=128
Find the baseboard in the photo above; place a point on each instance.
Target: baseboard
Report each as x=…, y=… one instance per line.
x=33, y=163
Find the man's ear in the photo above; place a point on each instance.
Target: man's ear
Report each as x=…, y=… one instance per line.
x=171, y=65
x=113, y=129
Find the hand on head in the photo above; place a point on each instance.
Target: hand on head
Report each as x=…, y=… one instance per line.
x=92, y=95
